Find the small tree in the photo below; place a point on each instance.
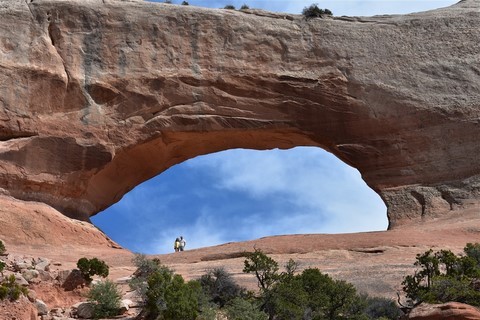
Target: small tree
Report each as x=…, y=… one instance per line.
x=185, y=3
x=244, y=7
x=229, y=7
x=106, y=296
x=91, y=267
x=264, y=268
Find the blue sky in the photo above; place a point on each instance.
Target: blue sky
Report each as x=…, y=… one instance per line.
x=238, y=195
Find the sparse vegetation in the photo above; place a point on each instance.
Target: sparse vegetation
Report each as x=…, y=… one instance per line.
x=9, y=289
x=313, y=11
x=444, y=276
x=91, y=267
x=185, y=3
x=309, y=295
x=106, y=296
x=168, y=1
x=244, y=7
x=229, y=7
x=283, y=295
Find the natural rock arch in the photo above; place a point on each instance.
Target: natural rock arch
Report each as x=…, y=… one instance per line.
x=97, y=96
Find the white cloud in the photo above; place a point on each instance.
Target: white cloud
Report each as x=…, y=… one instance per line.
x=326, y=194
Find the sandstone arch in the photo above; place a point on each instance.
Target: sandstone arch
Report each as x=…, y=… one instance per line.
x=97, y=96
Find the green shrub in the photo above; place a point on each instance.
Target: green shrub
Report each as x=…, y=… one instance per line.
x=244, y=7
x=9, y=289
x=2, y=266
x=229, y=7
x=219, y=286
x=106, y=296
x=170, y=298
x=2, y=248
x=185, y=3
x=313, y=11
x=168, y=1
x=381, y=308
x=243, y=309
x=91, y=267
x=472, y=250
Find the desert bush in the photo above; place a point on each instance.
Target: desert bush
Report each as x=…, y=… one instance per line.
x=145, y=268
x=106, y=296
x=229, y=7
x=472, y=250
x=91, y=267
x=185, y=3
x=381, y=308
x=2, y=266
x=243, y=309
x=313, y=11
x=244, y=7
x=2, y=248
x=219, y=286
x=9, y=289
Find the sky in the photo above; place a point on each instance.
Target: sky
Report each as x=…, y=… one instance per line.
x=239, y=195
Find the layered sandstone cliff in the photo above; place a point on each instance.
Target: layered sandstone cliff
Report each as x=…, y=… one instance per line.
x=98, y=96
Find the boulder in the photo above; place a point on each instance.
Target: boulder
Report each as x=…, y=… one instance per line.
x=71, y=279
x=84, y=310
x=42, y=264
x=30, y=275
x=20, y=280
x=446, y=311
x=41, y=307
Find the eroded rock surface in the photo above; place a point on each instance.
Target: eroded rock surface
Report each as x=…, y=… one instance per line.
x=98, y=96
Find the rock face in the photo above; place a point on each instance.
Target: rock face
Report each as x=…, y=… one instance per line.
x=98, y=96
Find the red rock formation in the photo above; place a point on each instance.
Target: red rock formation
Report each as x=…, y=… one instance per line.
x=446, y=311
x=98, y=96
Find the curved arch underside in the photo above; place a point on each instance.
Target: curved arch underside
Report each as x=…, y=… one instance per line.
x=98, y=96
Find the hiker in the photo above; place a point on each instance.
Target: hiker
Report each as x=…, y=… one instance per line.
x=176, y=245
x=183, y=243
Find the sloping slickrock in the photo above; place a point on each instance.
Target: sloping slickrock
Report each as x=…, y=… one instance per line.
x=98, y=96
